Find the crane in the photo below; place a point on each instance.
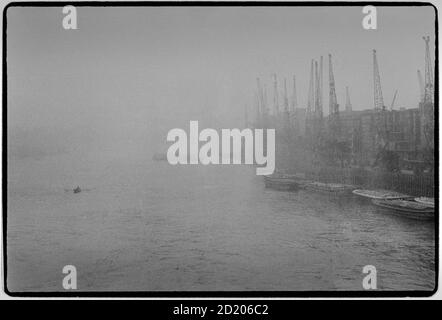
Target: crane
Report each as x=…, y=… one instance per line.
x=378, y=99
x=286, y=100
x=311, y=91
x=394, y=99
x=421, y=86
x=246, y=116
x=261, y=105
x=428, y=97
x=266, y=109
x=380, y=117
x=294, y=97
x=348, y=106
x=258, y=113
x=275, y=94
x=318, y=105
x=429, y=86
x=320, y=85
x=333, y=104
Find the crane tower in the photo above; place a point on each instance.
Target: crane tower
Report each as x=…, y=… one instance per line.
x=348, y=106
x=429, y=85
x=333, y=104
x=378, y=99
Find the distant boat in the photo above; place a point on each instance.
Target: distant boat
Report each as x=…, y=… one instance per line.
x=77, y=190
x=279, y=182
x=330, y=188
x=429, y=202
x=295, y=176
x=380, y=194
x=406, y=208
x=160, y=157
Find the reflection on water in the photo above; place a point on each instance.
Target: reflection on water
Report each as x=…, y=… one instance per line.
x=151, y=226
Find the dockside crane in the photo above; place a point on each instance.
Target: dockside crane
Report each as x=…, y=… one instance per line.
x=318, y=100
x=286, y=99
x=428, y=102
x=378, y=99
x=246, y=116
x=333, y=102
x=266, y=108
x=421, y=86
x=320, y=85
x=311, y=92
x=294, y=96
x=429, y=85
x=380, y=119
x=316, y=88
x=261, y=105
x=348, y=106
x=394, y=99
x=275, y=95
x=258, y=112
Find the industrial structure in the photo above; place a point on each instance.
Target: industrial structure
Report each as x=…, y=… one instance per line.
x=408, y=133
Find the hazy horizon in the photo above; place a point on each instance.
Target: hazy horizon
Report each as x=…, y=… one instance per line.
x=131, y=74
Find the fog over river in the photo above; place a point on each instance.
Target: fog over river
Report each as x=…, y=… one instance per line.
x=144, y=225
x=91, y=107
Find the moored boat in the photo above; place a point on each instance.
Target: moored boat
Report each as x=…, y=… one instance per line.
x=406, y=208
x=159, y=157
x=329, y=188
x=429, y=202
x=380, y=194
x=281, y=183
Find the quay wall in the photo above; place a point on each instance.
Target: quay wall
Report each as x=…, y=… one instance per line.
x=414, y=185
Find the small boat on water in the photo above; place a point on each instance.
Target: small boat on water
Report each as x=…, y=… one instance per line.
x=281, y=182
x=429, y=202
x=406, y=208
x=295, y=176
x=380, y=194
x=159, y=157
x=329, y=188
x=77, y=190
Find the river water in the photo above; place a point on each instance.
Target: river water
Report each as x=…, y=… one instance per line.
x=150, y=226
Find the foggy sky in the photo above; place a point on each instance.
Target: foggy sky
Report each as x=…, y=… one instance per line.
x=129, y=73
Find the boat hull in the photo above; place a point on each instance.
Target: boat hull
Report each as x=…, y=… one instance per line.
x=380, y=194
x=282, y=184
x=429, y=202
x=424, y=213
x=159, y=157
x=329, y=188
